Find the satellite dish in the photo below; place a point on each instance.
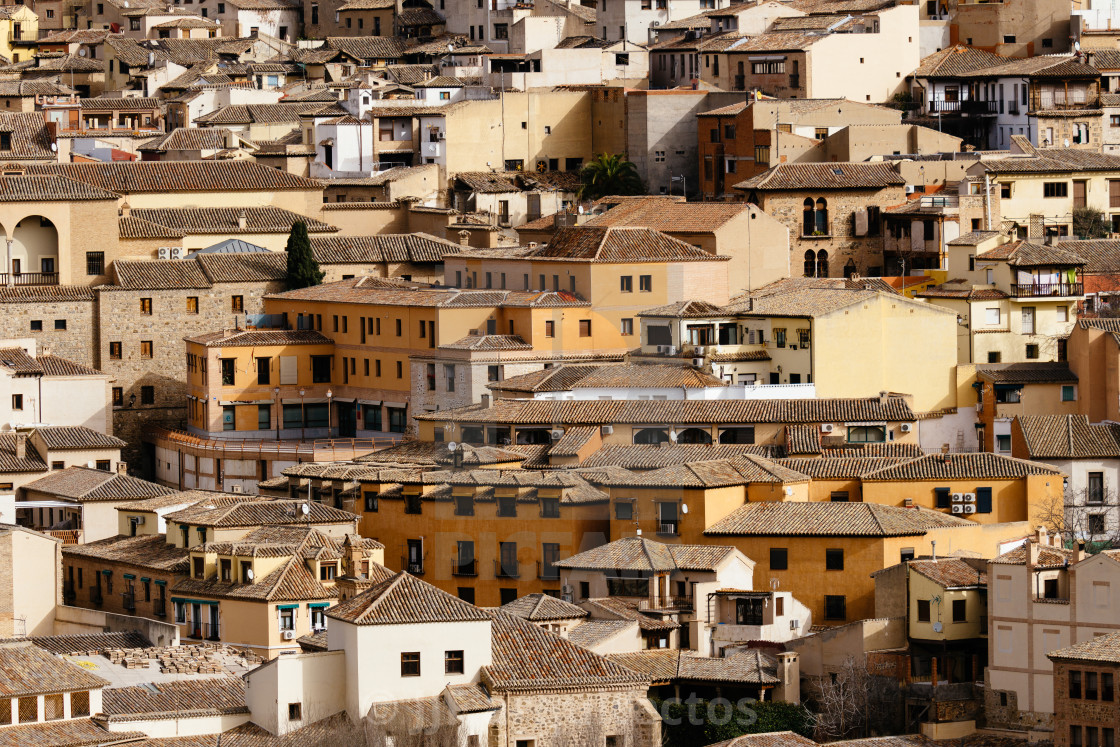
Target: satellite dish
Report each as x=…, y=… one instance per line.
x=305, y=509
x=684, y=508
x=673, y=435
x=249, y=573
x=937, y=627
x=451, y=446
x=83, y=52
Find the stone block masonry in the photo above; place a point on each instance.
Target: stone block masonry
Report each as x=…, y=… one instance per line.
x=61, y=320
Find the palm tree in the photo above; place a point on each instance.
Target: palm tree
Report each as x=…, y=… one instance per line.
x=609, y=174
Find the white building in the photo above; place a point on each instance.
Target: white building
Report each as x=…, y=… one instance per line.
x=48, y=390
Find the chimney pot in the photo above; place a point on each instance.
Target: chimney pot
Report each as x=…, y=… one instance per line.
x=21, y=446
x=485, y=399
x=242, y=219
x=122, y=468
x=126, y=209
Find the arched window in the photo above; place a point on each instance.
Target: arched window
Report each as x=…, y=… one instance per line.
x=822, y=215
x=694, y=436
x=651, y=436
x=809, y=220
x=810, y=264
x=850, y=269
x=822, y=264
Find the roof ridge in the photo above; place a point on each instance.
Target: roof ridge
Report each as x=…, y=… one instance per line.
x=392, y=584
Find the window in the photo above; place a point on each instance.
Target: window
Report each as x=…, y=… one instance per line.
x=1032, y=352
x=321, y=369
x=1095, y=491
x=991, y=316
x=1107, y=687
x=449, y=376
x=835, y=607
x=36, y=325
x=585, y=328
x=1075, y=732
x=1096, y=524
x=779, y=559
x=645, y=283
x=192, y=304
x=1003, y=442
x=95, y=263
x=1055, y=189
x=507, y=505
x=550, y=329
x=960, y=610
x=1074, y=684
x=550, y=508
x=993, y=356
x=1090, y=686
x=814, y=218
x=493, y=373
x=147, y=395
x=923, y=610
x=624, y=510
x=229, y=366
x=146, y=306
x=867, y=434
x=145, y=348
x=118, y=397
x=60, y=324
x=627, y=283
x=237, y=303
x=410, y=664
x=295, y=711
x=834, y=560
x=17, y=401
x=452, y=662
x=627, y=327
x=501, y=31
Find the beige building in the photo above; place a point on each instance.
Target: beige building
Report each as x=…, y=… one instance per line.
x=31, y=582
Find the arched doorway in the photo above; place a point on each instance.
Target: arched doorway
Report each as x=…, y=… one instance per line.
x=34, y=257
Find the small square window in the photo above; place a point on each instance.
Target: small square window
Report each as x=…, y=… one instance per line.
x=237, y=303
x=453, y=662
x=834, y=560
x=36, y=325
x=1003, y=442
x=192, y=304
x=146, y=306
x=779, y=559
x=114, y=351
x=410, y=664
x=1069, y=393
x=146, y=348
x=60, y=324
x=295, y=711
x=17, y=401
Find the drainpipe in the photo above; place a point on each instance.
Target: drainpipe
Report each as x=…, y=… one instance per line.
x=987, y=201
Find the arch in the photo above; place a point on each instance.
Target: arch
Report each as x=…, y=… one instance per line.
x=810, y=264
x=822, y=264
x=850, y=269
x=822, y=215
x=808, y=218
x=34, y=248
x=651, y=436
x=694, y=436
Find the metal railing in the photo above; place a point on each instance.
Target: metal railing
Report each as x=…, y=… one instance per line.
x=968, y=106
x=668, y=527
x=672, y=602
x=203, y=631
x=547, y=571
x=468, y=568
x=95, y=596
x=1031, y=290
x=29, y=278
x=506, y=570
x=316, y=450
x=415, y=567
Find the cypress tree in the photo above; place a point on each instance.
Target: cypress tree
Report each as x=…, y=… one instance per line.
x=303, y=270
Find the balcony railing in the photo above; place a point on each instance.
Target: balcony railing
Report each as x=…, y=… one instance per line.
x=968, y=106
x=1047, y=101
x=95, y=595
x=159, y=607
x=128, y=601
x=669, y=603
x=506, y=570
x=464, y=568
x=1032, y=290
x=668, y=527
x=69, y=595
x=547, y=571
x=740, y=83
x=415, y=567
x=203, y=631
x=30, y=278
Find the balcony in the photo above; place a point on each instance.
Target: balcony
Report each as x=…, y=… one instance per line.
x=464, y=568
x=506, y=570
x=128, y=601
x=671, y=602
x=30, y=278
x=669, y=528
x=95, y=596
x=968, y=106
x=1042, y=290
x=415, y=567
x=547, y=572
x=159, y=607
x=1058, y=101
x=69, y=596
x=203, y=631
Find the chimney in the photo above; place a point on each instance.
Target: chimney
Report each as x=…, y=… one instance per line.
x=883, y=397
x=1080, y=551
x=1032, y=553
x=933, y=550
x=789, y=678
x=126, y=209
x=1041, y=536
x=231, y=139
x=21, y=446
x=242, y=219
x=122, y=468
x=485, y=400
x=464, y=238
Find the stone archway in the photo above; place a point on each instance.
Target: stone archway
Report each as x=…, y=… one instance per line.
x=34, y=251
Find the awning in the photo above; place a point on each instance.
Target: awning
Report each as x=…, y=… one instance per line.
x=370, y=402
x=306, y=401
x=179, y=600
x=47, y=504
x=399, y=405
x=344, y=399
x=234, y=402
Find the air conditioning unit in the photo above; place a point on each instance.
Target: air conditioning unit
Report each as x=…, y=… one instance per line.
x=164, y=252
x=671, y=349
x=442, y=136
x=970, y=497
x=236, y=489
x=969, y=508
x=908, y=502
x=700, y=349
x=958, y=508
x=827, y=427
x=289, y=635
x=697, y=362
x=662, y=348
x=606, y=430
x=176, y=252
x=906, y=427
x=958, y=497
x=557, y=434
x=139, y=520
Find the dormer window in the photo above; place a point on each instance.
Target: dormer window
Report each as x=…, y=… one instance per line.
x=327, y=571
x=202, y=534
x=226, y=566
x=198, y=567
x=246, y=572
x=186, y=531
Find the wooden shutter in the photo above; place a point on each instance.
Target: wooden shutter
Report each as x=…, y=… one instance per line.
x=983, y=500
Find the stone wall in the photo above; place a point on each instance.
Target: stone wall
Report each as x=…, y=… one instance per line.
x=580, y=718
x=73, y=307
x=1001, y=711
x=1086, y=713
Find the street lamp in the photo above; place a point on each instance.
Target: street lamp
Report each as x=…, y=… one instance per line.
x=330, y=394
x=279, y=410
x=302, y=415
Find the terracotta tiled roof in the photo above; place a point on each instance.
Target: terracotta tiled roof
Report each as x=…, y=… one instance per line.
x=177, y=176
x=669, y=215
x=955, y=61
x=1054, y=160
x=1026, y=254
x=159, y=275
x=489, y=342
x=183, y=221
x=590, y=633
x=613, y=608
x=803, y=439
x=254, y=513
x=29, y=137
x=27, y=669
x=680, y=412
x=830, y=519
x=281, y=113
x=527, y=658
x=89, y=643
x=369, y=47
x=774, y=739
x=63, y=437
x=82, y=732
x=9, y=462
x=978, y=465
x=52, y=365
x=213, y=695
x=49, y=188
x=19, y=362
x=542, y=607
x=573, y=440
x=1102, y=648
x=144, y=551
x=594, y=244
x=740, y=470
x=255, y=337
x=1069, y=437
x=948, y=290
x=664, y=666
x=404, y=600
x=646, y=456
x=799, y=176
x=839, y=468
x=641, y=554
x=84, y=484
x=973, y=238
x=1047, y=556
x=1027, y=373
x=888, y=449
x=407, y=247
x=470, y=698
x=685, y=310
x=950, y=573
x=291, y=582
x=380, y=291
